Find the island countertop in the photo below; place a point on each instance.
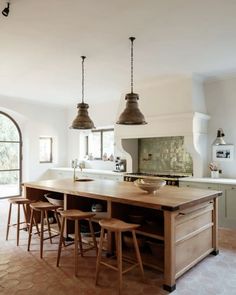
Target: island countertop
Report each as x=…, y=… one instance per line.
x=168, y=198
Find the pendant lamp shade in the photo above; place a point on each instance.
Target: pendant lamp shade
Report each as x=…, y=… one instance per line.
x=82, y=120
x=131, y=114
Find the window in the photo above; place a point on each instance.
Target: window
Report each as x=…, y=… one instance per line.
x=10, y=157
x=102, y=142
x=45, y=150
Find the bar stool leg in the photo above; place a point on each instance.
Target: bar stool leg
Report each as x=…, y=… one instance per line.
x=138, y=256
x=30, y=228
x=25, y=215
x=60, y=242
x=80, y=241
x=8, y=221
x=76, y=246
x=119, y=258
x=37, y=227
x=49, y=228
x=59, y=225
x=93, y=235
x=99, y=257
x=41, y=234
x=18, y=225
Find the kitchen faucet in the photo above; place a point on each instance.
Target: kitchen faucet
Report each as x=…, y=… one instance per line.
x=74, y=166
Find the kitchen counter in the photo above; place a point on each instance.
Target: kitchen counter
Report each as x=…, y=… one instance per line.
x=92, y=171
x=185, y=219
x=210, y=180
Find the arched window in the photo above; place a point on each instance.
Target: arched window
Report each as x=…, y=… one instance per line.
x=10, y=157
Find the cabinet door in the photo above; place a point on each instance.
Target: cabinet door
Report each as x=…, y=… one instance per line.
x=227, y=206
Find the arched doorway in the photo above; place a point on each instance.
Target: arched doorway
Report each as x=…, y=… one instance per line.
x=10, y=157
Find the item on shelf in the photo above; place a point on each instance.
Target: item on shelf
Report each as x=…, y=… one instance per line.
x=150, y=185
x=104, y=157
x=120, y=165
x=136, y=219
x=214, y=170
x=97, y=207
x=129, y=243
x=90, y=157
x=55, y=199
x=111, y=158
x=156, y=248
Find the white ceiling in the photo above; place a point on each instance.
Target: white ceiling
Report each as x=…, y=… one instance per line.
x=41, y=43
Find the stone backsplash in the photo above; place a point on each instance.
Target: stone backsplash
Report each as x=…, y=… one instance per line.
x=164, y=155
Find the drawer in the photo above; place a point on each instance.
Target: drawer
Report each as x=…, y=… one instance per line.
x=190, y=250
x=192, y=223
x=193, y=220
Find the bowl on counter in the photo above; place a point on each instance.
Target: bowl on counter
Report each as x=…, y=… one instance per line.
x=151, y=186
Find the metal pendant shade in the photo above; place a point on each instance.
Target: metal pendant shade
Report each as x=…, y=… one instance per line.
x=82, y=120
x=131, y=114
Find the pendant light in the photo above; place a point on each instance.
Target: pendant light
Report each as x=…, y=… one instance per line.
x=131, y=115
x=82, y=120
x=6, y=10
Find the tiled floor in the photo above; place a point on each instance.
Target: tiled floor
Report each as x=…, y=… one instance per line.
x=24, y=273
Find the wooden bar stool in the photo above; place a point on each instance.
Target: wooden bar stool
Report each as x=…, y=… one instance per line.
x=76, y=216
x=118, y=227
x=19, y=201
x=43, y=208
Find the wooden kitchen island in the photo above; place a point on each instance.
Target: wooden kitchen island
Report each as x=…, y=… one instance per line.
x=184, y=220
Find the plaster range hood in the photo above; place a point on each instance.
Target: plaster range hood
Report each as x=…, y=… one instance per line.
x=190, y=123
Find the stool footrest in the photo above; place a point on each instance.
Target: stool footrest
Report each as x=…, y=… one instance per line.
x=109, y=265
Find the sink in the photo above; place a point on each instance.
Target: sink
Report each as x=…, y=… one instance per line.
x=84, y=179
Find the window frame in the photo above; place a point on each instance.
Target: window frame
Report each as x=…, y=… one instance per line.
x=20, y=142
x=102, y=131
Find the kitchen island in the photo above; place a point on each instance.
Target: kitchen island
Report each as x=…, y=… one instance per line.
x=185, y=219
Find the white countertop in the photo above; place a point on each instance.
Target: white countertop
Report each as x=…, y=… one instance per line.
x=92, y=171
x=210, y=180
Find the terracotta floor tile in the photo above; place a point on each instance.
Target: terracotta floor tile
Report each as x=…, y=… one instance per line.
x=24, y=273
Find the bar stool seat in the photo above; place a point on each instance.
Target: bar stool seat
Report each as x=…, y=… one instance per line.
x=43, y=208
x=19, y=201
x=118, y=227
x=76, y=216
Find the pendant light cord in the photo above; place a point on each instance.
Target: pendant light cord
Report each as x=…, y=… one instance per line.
x=132, y=63
x=83, y=58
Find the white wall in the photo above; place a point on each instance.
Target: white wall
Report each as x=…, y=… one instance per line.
x=221, y=105
x=37, y=120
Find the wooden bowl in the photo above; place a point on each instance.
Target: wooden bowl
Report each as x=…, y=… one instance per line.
x=150, y=185
x=55, y=199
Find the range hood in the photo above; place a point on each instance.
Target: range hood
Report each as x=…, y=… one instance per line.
x=179, y=110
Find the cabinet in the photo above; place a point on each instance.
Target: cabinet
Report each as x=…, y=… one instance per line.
x=227, y=202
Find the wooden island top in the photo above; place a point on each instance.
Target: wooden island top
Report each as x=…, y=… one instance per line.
x=169, y=198
x=185, y=220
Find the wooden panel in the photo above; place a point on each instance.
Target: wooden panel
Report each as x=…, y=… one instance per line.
x=191, y=249
x=195, y=223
